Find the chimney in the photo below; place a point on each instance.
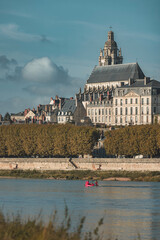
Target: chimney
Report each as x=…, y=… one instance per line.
x=25, y=112
x=146, y=80
x=108, y=95
x=101, y=97
x=130, y=81
x=56, y=97
x=76, y=100
x=60, y=104
x=71, y=98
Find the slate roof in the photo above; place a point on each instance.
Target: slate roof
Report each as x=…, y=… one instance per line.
x=118, y=72
x=17, y=114
x=69, y=106
x=140, y=83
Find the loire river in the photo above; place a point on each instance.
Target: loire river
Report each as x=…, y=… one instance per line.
x=129, y=208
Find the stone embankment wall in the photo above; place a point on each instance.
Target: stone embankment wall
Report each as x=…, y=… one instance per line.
x=104, y=164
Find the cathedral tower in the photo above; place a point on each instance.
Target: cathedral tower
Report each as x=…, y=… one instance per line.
x=110, y=55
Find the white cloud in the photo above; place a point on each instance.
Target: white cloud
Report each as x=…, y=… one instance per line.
x=13, y=31
x=43, y=70
x=39, y=70
x=37, y=81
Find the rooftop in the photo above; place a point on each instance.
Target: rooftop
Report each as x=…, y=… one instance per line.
x=140, y=83
x=118, y=72
x=69, y=106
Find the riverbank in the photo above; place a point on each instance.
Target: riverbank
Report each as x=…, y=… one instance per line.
x=83, y=175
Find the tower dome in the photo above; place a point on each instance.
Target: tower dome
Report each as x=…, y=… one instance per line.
x=110, y=43
x=110, y=54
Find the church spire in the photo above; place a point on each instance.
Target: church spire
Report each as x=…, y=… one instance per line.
x=110, y=55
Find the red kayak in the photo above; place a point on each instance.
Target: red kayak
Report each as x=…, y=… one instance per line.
x=88, y=184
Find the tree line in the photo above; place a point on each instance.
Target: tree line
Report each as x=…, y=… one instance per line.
x=133, y=140
x=46, y=140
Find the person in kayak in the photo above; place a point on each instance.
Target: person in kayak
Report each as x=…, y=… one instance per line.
x=96, y=183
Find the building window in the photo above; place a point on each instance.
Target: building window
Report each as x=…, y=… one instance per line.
x=106, y=111
x=102, y=118
x=126, y=119
x=106, y=118
x=120, y=111
x=136, y=100
x=95, y=111
x=154, y=110
x=136, y=119
x=142, y=119
x=121, y=102
x=126, y=110
x=142, y=111
x=99, y=119
x=92, y=111
x=155, y=100
x=136, y=110
x=120, y=119
x=147, y=110
x=115, y=119
x=99, y=111
x=109, y=118
x=95, y=119
x=142, y=101
x=116, y=102
x=116, y=111
x=131, y=110
x=102, y=111
x=147, y=101
x=147, y=119
x=109, y=111
x=131, y=101
x=89, y=112
x=126, y=101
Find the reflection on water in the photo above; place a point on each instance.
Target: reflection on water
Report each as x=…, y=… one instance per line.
x=129, y=208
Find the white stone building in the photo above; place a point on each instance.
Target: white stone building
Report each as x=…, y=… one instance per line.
x=119, y=94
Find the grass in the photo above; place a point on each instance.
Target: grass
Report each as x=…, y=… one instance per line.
x=77, y=175
x=34, y=229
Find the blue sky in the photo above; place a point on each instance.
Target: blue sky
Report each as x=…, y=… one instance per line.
x=50, y=47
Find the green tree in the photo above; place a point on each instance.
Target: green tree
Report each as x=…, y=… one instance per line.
x=7, y=117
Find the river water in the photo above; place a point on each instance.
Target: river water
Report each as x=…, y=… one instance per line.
x=129, y=208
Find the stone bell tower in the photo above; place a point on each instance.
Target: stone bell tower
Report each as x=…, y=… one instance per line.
x=110, y=55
